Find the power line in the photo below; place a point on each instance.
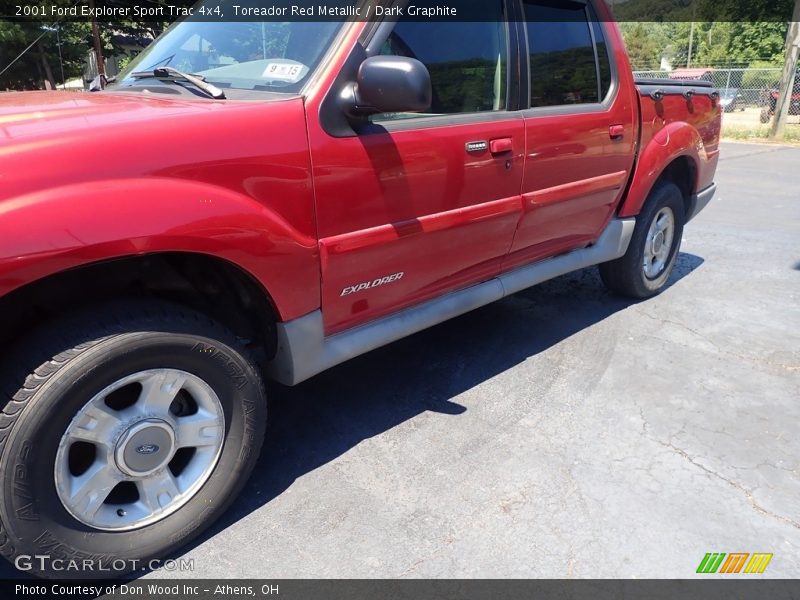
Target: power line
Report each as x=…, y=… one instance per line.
x=60, y=57
x=33, y=43
x=21, y=54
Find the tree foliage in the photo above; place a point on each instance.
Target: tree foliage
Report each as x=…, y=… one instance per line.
x=726, y=33
x=61, y=45
x=714, y=44
x=58, y=43
x=675, y=11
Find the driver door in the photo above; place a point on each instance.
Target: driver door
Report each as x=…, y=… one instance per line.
x=415, y=206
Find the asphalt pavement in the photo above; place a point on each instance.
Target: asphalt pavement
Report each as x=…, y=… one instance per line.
x=561, y=432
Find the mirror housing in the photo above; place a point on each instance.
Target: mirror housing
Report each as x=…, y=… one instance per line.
x=391, y=84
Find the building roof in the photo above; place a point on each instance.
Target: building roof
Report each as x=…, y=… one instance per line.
x=690, y=73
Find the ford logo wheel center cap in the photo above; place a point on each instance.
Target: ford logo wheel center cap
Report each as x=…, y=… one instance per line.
x=145, y=447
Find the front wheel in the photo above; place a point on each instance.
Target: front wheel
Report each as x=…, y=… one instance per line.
x=646, y=266
x=127, y=434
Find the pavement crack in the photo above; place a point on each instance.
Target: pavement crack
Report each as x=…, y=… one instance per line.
x=719, y=349
x=734, y=484
x=766, y=150
x=420, y=561
x=665, y=321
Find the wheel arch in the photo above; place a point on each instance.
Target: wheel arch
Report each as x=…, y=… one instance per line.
x=672, y=155
x=682, y=171
x=81, y=225
x=208, y=284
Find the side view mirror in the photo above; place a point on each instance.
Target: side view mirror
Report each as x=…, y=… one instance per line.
x=392, y=84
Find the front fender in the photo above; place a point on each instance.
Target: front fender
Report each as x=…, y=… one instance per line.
x=673, y=141
x=49, y=231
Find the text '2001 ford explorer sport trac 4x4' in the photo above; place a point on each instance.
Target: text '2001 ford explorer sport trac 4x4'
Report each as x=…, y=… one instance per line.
x=258, y=201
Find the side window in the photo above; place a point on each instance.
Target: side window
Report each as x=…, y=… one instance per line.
x=563, y=64
x=468, y=62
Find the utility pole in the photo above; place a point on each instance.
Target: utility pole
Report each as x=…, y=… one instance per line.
x=789, y=75
x=691, y=36
x=98, y=48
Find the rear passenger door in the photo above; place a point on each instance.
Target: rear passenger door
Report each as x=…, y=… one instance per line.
x=579, y=130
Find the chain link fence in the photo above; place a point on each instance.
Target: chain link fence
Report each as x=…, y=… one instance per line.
x=747, y=95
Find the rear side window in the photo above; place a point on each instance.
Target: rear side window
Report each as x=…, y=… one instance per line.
x=564, y=65
x=467, y=62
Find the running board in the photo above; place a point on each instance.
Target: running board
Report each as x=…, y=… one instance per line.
x=304, y=351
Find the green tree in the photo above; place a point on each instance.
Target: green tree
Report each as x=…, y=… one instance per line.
x=645, y=44
x=715, y=44
x=54, y=45
x=49, y=46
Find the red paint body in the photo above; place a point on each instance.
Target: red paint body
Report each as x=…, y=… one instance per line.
x=89, y=177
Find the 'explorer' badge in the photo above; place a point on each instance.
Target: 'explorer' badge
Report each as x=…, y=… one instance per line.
x=368, y=285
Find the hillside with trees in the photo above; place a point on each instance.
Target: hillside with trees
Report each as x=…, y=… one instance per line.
x=714, y=44
x=726, y=33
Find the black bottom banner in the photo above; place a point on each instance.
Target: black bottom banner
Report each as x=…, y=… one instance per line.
x=420, y=589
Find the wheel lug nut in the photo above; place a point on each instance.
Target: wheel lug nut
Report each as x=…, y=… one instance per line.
x=121, y=512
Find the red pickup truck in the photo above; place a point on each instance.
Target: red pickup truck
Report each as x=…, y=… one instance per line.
x=264, y=200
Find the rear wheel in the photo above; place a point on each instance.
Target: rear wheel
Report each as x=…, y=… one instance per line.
x=646, y=266
x=128, y=433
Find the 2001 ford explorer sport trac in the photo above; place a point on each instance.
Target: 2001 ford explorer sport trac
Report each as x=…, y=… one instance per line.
x=259, y=201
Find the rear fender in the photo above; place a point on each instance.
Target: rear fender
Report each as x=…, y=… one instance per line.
x=673, y=141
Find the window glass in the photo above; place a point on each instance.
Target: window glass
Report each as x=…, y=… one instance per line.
x=562, y=58
x=268, y=56
x=467, y=61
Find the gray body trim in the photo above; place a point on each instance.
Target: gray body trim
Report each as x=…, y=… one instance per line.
x=304, y=351
x=700, y=200
x=612, y=244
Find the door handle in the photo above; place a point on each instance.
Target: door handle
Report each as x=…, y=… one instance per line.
x=616, y=132
x=501, y=146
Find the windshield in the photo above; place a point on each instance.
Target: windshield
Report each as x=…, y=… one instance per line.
x=269, y=56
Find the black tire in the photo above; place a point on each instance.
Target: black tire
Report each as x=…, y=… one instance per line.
x=70, y=361
x=626, y=275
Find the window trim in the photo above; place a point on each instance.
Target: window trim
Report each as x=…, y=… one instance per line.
x=571, y=109
x=318, y=75
x=432, y=121
x=596, y=54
